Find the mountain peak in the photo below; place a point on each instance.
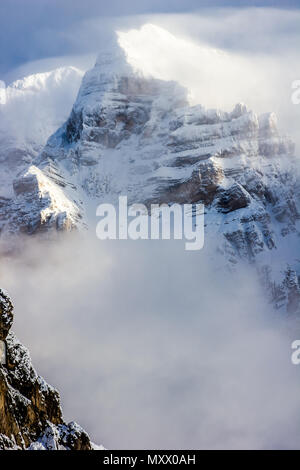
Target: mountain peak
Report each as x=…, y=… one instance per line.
x=133, y=134
x=112, y=60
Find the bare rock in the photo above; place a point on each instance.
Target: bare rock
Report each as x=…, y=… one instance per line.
x=30, y=411
x=233, y=198
x=6, y=314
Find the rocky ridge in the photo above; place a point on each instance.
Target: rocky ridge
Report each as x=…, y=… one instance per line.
x=30, y=411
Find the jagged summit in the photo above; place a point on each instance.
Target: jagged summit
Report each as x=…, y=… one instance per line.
x=131, y=134
x=110, y=65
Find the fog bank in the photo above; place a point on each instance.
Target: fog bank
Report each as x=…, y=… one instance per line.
x=155, y=347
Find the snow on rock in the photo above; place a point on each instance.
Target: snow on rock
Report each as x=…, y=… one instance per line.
x=30, y=412
x=6, y=314
x=130, y=134
x=31, y=109
x=135, y=135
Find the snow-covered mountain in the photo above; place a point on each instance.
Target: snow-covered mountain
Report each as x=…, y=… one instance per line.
x=130, y=134
x=31, y=109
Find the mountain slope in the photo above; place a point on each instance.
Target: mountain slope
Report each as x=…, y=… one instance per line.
x=132, y=135
x=31, y=109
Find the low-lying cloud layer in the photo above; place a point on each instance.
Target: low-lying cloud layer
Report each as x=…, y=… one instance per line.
x=154, y=347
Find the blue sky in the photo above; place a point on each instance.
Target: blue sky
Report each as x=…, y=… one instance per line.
x=37, y=29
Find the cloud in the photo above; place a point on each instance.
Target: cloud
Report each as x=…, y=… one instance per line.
x=222, y=55
x=220, y=78
x=32, y=109
x=37, y=29
x=153, y=347
x=209, y=74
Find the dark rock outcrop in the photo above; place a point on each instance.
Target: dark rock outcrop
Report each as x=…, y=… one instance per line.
x=30, y=410
x=233, y=198
x=6, y=314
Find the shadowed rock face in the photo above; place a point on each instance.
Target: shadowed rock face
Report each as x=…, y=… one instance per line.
x=6, y=314
x=30, y=411
x=291, y=283
x=233, y=198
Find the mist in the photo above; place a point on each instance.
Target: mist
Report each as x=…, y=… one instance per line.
x=205, y=54
x=151, y=346
x=47, y=101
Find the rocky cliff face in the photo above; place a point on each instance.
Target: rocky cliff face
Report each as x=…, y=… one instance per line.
x=30, y=412
x=137, y=136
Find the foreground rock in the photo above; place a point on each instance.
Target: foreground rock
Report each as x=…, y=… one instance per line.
x=30, y=411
